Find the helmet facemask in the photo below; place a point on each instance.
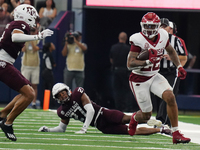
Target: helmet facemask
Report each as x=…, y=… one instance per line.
x=150, y=24
x=60, y=87
x=63, y=101
x=150, y=29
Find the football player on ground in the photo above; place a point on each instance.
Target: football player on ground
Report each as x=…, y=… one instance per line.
x=78, y=105
x=11, y=42
x=145, y=77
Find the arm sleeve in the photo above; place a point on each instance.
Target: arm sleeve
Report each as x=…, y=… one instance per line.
x=135, y=48
x=60, y=128
x=20, y=37
x=89, y=115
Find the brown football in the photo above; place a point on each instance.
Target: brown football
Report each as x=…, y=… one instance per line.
x=143, y=55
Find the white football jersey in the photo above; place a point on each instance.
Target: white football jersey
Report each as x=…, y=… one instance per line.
x=138, y=39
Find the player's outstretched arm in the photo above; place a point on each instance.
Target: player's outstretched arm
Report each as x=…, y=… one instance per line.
x=19, y=36
x=60, y=128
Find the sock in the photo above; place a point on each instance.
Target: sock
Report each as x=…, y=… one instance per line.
x=161, y=129
x=134, y=118
x=174, y=129
x=8, y=124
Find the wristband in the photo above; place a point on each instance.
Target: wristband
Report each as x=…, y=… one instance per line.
x=148, y=62
x=179, y=66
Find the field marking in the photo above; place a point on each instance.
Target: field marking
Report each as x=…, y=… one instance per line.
x=18, y=149
x=89, y=140
x=84, y=135
x=94, y=129
x=77, y=145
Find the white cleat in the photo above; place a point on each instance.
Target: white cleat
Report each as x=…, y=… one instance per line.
x=154, y=122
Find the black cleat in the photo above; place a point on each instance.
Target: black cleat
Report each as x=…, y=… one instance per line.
x=8, y=130
x=34, y=107
x=1, y=119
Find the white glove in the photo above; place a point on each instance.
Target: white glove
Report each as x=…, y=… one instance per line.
x=43, y=129
x=82, y=131
x=44, y=34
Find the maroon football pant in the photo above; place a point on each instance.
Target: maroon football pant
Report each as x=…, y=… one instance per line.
x=110, y=122
x=11, y=76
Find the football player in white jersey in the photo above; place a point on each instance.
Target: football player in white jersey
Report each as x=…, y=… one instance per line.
x=145, y=77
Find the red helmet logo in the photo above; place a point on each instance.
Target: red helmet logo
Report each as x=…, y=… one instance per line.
x=150, y=17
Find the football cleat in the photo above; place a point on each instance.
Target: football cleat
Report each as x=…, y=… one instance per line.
x=43, y=129
x=154, y=122
x=132, y=125
x=1, y=119
x=8, y=130
x=34, y=106
x=179, y=138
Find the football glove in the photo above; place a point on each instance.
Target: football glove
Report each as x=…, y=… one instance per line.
x=82, y=131
x=43, y=129
x=44, y=34
x=153, y=57
x=181, y=72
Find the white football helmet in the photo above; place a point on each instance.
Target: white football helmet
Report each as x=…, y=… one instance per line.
x=26, y=13
x=58, y=87
x=150, y=24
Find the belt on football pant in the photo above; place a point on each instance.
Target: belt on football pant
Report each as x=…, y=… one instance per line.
x=99, y=112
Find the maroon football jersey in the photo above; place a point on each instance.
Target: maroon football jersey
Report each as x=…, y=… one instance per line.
x=109, y=121
x=13, y=48
x=74, y=108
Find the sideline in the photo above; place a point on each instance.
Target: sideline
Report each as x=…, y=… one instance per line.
x=188, y=129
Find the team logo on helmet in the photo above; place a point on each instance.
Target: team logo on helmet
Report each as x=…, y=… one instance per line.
x=31, y=11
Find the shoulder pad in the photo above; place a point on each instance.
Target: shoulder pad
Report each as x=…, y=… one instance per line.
x=136, y=39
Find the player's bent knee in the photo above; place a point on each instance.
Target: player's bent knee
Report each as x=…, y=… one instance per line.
x=28, y=92
x=31, y=95
x=169, y=98
x=147, y=116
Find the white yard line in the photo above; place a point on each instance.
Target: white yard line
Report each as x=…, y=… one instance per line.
x=101, y=146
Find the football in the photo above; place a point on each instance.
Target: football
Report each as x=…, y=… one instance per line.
x=143, y=55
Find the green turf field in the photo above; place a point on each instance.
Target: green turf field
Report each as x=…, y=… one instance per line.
x=27, y=124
